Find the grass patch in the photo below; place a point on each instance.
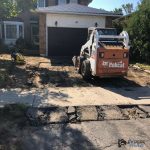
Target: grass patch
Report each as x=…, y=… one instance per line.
x=143, y=66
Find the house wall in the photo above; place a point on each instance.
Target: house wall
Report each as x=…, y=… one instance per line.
x=74, y=21
x=42, y=34
x=27, y=19
x=51, y=2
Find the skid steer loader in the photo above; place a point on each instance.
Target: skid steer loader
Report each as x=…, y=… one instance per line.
x=106, y=54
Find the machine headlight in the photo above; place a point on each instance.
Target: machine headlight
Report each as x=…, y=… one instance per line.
x=101, y=54
x=125, y=55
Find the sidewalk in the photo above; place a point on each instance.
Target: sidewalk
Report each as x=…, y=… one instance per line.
x=76, y=96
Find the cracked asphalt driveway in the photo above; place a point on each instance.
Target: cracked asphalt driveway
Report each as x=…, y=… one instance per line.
x=20, y=131
x=89, y=136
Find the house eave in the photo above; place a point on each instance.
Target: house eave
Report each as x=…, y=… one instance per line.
x=78, y=13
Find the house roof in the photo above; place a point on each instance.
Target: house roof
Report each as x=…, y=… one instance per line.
x=76, y=9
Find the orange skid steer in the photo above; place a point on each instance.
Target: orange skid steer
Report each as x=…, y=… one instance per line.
x=105, y=54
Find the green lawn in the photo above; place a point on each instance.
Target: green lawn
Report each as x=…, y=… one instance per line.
x=143, y=66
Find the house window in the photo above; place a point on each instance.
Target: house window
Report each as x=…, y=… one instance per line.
x=35, y=34
x=13, y=30
x=60, y=2
x=40, y=3
x=20, y=31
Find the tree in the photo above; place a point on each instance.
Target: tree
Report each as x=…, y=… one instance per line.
x=138, y=28
x=118, y=10
x=25, y=5
x=11, y=8
x=8, y=8
x=128, y=8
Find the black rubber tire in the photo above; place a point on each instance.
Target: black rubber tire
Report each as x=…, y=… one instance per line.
x=86, y=69
x=81, y=59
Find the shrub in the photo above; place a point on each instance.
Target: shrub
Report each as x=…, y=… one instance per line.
x=20, y=44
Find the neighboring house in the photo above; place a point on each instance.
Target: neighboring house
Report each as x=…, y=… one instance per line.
x=63, y=28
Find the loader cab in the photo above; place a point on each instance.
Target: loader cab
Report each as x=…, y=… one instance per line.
x=102, y=31
x=107, y=31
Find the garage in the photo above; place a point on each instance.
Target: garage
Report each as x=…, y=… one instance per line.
x=66, y=41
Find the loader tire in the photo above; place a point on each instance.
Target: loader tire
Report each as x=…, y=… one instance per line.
x=86, y=69
x=81, y=59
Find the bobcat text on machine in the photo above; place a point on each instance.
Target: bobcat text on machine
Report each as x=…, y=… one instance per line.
x=105, y=54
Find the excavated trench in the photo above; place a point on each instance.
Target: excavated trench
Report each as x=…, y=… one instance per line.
x=77, y=114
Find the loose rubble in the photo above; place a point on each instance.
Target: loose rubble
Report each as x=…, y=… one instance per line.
x=38, y=116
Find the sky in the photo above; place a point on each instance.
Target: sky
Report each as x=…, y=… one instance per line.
x=110, y=5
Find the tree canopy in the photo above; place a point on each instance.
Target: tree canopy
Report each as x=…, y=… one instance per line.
x=8, y=8
x=128, y=8
x=138, y=27
x=11, y=8
x=118, y=10
x=23, y=5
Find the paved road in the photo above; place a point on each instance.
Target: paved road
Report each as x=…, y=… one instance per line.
x=89, y=136
x=76, y=96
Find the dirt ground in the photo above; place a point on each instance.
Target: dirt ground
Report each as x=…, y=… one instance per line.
x=42, y=72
